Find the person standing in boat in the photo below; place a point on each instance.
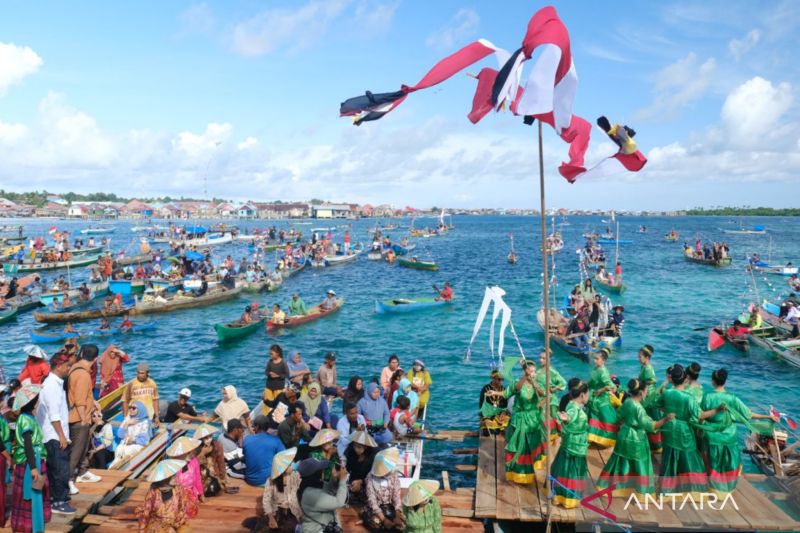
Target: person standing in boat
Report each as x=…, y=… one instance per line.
x=569, y=467
x=722, y=450
x=525, y=442
x=277, y=372
x=647, y=377
x=630, y=467
x=603, y=424
x=682, y=468
x=557, y=384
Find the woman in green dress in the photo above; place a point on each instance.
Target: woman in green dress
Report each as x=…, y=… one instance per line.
x=569, y=467
x=693, y=387
x=603, y=424
x=723, y=452
x=630, y=467
x=525, y=443
x=647, y=376
x=557, y=384
x=682, y=467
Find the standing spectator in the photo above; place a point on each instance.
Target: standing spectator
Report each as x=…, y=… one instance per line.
x=142, y=389
x=111, y=362
x=53, y=416
x=181, y=409
x=80, y=399
x=277, y=372
x=259, y=449
x=36, y=368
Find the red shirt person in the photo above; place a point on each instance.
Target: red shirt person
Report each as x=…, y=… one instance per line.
x=445, y=294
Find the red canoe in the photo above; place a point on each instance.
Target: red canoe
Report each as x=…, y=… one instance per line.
x=716, y=338
x=314, y=313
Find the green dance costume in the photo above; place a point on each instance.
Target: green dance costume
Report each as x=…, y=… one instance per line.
x=723, y=453
x=630, y=466
x=648, y=375
x=682, y=467
x=603, y=424
x=569, y=467
x=557, y=384
x=525, y=444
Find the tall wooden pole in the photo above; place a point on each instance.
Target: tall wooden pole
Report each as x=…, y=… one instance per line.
x=545, y=299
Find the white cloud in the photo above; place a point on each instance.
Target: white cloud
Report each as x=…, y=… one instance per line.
x=198, y=19
x=375, y=17
x=605, y=53
x=202, y=145
x=752, y=111
x=12, y=133
x=295, y=29
x=16, y=62
x=679, y=85
x=739, y=47
x=248, y=143
x=464, y=24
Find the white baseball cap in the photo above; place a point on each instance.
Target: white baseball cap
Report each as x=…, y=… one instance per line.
x=331, y=293
x=186, y=392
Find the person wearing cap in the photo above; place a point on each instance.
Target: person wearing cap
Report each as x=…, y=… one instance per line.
x=421, y=508
x=281, y=507
x=36, y=368
x=259, y=450
x=326, y=375
x=359, y=456
x=82, y=406
x=319, y=500
x=53, y=417
x=493, y=408
x=111, y=377
x=231, y=442
x=182, y=410
x=167, y=506
x=29, y=508
x=185, y=449
x=421, y=381
x=142, y=389
x=134, y=432
x=384, y=511
x=297, y=306
x=330, y=302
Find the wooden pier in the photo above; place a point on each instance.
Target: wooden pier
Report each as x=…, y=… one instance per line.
x=496, y=498
x=85, y=503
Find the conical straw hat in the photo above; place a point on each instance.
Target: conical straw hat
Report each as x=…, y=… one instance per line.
x=182, y=446
x=25, y=395
x=363, y=438
x=419, y=491
x=385, y=462
x=166, y=469
x=204, y=431
x=324, y=436
x=282, y=461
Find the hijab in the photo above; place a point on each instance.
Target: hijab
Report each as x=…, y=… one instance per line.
x=370, y=408
x=233, y=408
x=109, y=363
x=312, y=404
x=141, y=413
x=412, y=395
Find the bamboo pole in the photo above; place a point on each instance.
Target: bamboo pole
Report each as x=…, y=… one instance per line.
x=546, y=303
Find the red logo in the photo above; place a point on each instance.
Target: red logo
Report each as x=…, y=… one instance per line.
x=599, y=494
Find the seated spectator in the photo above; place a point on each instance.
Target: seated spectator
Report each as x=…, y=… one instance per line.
x=259, y=449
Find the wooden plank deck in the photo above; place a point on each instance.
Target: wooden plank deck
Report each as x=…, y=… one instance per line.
x=90, y=495
x=526, y=503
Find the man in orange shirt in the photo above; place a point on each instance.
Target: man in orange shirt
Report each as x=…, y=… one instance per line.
x=445, y=294
x=80, y=399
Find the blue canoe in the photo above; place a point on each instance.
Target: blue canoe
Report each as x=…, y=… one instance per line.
x=408, y=305
x=44, y=337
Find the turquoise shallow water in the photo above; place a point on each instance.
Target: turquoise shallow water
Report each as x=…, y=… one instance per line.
x=667, y=298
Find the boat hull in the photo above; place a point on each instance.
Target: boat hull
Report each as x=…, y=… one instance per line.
x=722, y=262
x=41, y=337
x=614, y=289
x=315, y=313
x=8, y=314
x=418, y=265
x=227, y=332
x=401, y=306
x=37, y=267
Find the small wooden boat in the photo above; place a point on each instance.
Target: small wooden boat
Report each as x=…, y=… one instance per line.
x=126, y=287
x=81, y=316
x=95, y=290
x=235, y=330
x=617, y=288
x=408, y=305
x=416, y=264
x=184, y=301
x=286, y=274
x=13, y=239
x=557, y=322
x=252, y=286
x=24, y=302
x=335, y=260
x=43, y=337
x=375, y=255
x=767, y=447
x=314, y=313
x=778, y=270
x=721, y=262
x=12, y=268
x=7, y=313
x=81, y=252
x=319, y=263
x=133, y=259
x=672, y=236
x=716, y=339
x=97, y=231
x=740, y=343
x=512, y=255
x=403, y=250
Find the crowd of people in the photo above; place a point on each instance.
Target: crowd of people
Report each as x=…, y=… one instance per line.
x=691, y=425
x=310, y=455
x=714, y=251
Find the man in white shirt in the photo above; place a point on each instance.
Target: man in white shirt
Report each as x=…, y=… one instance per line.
x=53, y=417
x=348, y=424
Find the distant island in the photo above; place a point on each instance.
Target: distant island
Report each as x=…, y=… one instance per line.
x=745, y=212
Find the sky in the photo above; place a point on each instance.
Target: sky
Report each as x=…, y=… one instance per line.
x=160, y=98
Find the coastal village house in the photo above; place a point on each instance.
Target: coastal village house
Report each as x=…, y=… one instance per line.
x=283, y=210
x=138, y=209
x=13, y=209
x=248, y=211
x=52, y=209
x=332, y=211
x=383, y=210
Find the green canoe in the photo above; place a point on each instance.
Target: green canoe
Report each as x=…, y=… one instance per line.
x=418, y=265
x=7, y=313
x=234, y=330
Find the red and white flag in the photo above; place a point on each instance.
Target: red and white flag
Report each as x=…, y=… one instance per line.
x=774, y=412
x=52, y=230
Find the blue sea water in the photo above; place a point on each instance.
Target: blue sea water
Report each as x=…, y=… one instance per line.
x=670, y=304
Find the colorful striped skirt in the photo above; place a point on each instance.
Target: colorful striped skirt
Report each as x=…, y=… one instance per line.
x=629, y=475
x=525, y=446
x=603, y=425
x=724, y=467
x=571, y=473
x=682, y=471
x=21, y=518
